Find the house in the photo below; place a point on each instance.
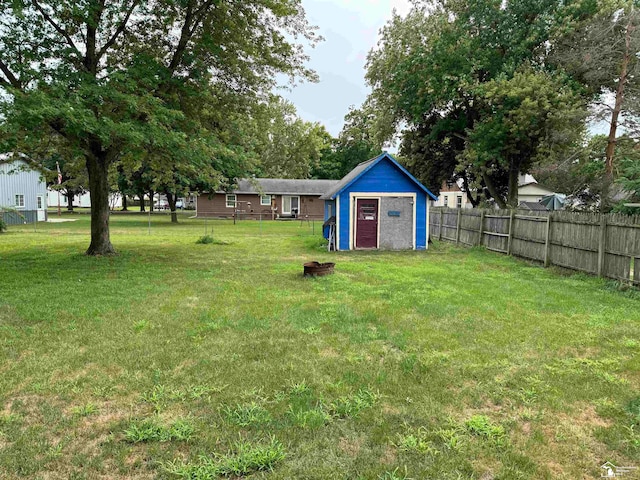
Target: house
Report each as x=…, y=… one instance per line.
x=23, y=191
x=452, y=196
x=379, y=204
x=529, y=190
x=80, y=201
x=532, y=207
x=267, y=198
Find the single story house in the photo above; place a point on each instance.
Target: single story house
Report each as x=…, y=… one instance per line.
x=267, y=198
x=23, y=191
x=379, y=204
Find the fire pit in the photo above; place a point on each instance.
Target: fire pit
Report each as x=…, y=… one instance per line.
x=315, y=269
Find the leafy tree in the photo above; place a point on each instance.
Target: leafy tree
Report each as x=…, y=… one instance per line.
x=458, y=72
x=580, y=175
x=74, y=176
x=286, y=146
x=602, y=54
x=123, y=78
x=355, y=144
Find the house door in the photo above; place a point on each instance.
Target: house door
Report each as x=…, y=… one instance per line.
x=42, y=214
x=290, y=205
x=366, y=223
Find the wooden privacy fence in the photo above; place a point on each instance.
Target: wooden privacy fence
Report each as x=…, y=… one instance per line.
x=603, y=245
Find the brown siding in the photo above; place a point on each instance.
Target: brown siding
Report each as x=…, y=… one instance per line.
x=310, y=205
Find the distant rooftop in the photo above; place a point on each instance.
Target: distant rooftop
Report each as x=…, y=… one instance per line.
x=283, y=186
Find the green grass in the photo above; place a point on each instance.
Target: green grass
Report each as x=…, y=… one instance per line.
x=451, y=363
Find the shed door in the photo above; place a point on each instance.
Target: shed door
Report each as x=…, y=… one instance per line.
x=367, y=223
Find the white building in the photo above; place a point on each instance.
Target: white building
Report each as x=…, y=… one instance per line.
x=23, y=190
x=82, y=201
x=452, y=195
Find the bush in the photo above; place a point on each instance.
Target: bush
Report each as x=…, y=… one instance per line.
x=3, y=226
x=205, y=240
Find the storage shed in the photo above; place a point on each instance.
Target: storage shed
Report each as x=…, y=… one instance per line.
x=379, y=204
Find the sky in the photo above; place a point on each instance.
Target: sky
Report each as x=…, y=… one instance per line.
x=350, y=29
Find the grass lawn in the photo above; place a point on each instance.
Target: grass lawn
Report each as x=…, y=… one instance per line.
x=177, y=360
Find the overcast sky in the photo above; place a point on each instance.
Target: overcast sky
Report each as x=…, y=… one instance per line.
x=350, y=29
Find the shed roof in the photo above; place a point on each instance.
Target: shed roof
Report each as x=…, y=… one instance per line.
x=363, y=167
x=533, y=206
x=283, y=186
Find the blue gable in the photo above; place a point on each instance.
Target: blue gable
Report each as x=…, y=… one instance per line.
x=382, y=175
x=365, y=167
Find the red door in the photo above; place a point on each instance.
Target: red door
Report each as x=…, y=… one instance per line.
x=367, y=223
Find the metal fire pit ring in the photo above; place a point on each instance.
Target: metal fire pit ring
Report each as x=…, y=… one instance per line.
x=316, y=269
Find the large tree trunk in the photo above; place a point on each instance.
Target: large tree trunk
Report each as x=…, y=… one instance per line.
x=69, y=196
x=465, y=187
x=124, y=203
x=512, y=195
x=97, y=167
x=611, y=142
x=493, y=191
x=152, y=196
x=171, y=200
x=141, y=197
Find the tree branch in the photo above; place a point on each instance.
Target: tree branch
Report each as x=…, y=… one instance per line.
x=11, y=79
x=121, y=28
x=191, y=22
x=57, y=27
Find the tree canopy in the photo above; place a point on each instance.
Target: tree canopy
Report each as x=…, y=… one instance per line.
x=125, y=79
x=471, y=85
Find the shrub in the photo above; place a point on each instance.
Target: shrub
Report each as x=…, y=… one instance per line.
x=3, y=226
x=205, y=240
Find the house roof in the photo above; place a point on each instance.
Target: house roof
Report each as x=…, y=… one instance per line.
x=283, y=186
x=363, y=167
x=533, y=206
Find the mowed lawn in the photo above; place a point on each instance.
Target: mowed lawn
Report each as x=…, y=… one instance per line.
x=179, y=360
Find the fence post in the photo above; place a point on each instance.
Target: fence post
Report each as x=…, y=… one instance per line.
x=602, y=244
x=440, y=228
x=481, y=227
x=547, y=240
x=458, y=226
x=511, y=218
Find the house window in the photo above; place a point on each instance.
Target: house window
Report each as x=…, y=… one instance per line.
x=39, y=201
x=19, y=200
x=446, y=201
x=231, y=200
x=459, y=201
x=265, y=200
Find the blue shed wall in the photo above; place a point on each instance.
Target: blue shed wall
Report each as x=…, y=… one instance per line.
x=329, y=210
x=383, y=177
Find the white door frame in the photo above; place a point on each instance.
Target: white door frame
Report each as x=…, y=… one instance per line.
x=41, y=210
x=290, y=197
x=353, y=196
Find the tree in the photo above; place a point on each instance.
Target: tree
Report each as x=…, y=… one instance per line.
x=74, y=176
x=602, y=54
x=355, y=144
x=439, y=74
x=121, y=78
x=580, y=175
x=286, y=145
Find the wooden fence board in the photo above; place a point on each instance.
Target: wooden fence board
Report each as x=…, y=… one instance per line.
x=586, y=242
